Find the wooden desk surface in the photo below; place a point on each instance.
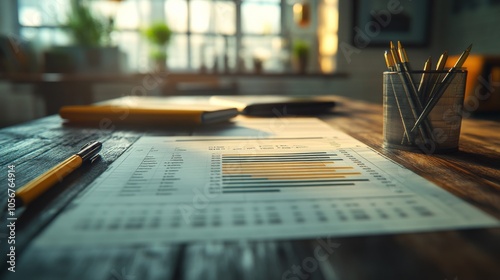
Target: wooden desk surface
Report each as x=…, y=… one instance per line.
x=472, y=174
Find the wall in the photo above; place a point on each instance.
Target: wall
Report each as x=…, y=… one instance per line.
x=366, y=66
x=7, y=18
x=475, y=22
x=17, y=103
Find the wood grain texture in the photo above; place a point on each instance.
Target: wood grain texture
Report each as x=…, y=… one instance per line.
x=472, y=174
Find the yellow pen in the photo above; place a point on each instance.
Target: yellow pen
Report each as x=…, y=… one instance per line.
x=26, y=194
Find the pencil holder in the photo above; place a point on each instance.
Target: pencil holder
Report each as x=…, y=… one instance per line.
x=423, y=110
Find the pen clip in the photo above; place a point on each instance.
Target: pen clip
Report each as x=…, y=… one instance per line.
x=89, y=150
x=87, y=144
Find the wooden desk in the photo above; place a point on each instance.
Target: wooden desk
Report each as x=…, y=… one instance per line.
x=472, y=174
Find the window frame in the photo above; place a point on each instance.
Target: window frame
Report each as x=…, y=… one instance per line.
x=190, y=67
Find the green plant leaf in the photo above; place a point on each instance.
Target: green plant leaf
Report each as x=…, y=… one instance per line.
x=158, y=34
x=300, y=48
x=86, y=28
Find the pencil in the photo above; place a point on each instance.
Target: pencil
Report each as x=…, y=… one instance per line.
x=412, y=93
x=424, y=80
x=443, y=85
x=433, y=82
x=389, y=61
x=391, y=66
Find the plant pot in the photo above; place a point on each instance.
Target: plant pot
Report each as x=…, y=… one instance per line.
x=79, y=59
x=301, y=62
x=160, y=65
x=257, y=65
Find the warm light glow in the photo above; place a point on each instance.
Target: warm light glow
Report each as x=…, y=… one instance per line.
x=297, y=8
x=330, y=15
x=329, y=44
x=326, y=64
x=327, y=35
x=277, y=43
x=261, y=53
x=302, y=14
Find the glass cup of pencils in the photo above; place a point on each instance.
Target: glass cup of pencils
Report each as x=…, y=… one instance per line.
x=423, y=109
x=439, y=130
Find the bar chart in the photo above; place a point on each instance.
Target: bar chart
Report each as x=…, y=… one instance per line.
x=275, y=172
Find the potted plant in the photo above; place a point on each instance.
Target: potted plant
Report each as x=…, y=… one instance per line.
x=158, y=34
x=91, y=49
x=301, y=55
x=86, y=28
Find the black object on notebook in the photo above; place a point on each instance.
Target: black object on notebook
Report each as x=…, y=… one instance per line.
x=274, y=105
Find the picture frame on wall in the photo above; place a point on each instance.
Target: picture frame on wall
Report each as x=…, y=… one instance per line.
x=376, y=22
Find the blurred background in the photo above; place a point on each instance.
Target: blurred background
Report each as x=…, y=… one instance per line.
x=58, y=52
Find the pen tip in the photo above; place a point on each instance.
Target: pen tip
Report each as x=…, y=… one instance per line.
x=391, y=45
x=399, y=45
x=469, y=48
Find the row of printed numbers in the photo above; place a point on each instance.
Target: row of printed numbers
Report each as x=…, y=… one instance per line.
x=11, y=190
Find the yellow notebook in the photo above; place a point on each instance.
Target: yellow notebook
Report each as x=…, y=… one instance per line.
x=148, y=110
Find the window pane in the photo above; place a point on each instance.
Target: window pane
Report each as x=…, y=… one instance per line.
x=29, y=34
x=225, y=18
x=213, y=17
x=132, y=14
x=131, y=43
x=29, y=16
x=200, y=16
x=176, y=14
x=60, y=37
x=37, y=13
x=203, y=52
x=206, y=50
x=264, y=48
x=104, y=9
x=178, y=52
x=45, y=37
x=260, y=18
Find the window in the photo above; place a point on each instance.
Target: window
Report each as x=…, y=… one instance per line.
x=206, y=33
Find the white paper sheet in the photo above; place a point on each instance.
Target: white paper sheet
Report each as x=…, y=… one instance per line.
x=299, y=179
